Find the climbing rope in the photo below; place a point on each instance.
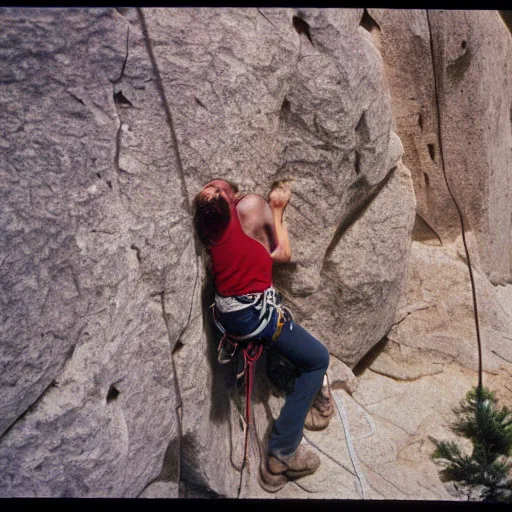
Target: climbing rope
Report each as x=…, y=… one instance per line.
x=342, y=413
x=353, y=456
x=251, y=354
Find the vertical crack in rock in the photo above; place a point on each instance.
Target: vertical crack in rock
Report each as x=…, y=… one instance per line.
x=176, y=385
x=259, y=10
x=30, y=408
x=357, y=212
x=459, y=211
x=167, y=109
x=177, y=393
x=179, y=343
x=362, y=138
x=119, y=99
x=188, y=209
x=118, y=79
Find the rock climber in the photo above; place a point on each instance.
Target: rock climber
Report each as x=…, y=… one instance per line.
x=244, y=235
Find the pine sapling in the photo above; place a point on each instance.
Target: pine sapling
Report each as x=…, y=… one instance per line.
x=489, y=428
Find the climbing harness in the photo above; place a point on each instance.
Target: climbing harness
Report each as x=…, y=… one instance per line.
x=252, y=347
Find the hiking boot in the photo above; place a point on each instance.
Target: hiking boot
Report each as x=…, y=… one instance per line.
x=323, y=404
x=321, y=411
x=269, y=481
x=301, y=463
x=315, y=420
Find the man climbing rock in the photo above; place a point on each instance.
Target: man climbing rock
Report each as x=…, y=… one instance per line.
x=244, y=235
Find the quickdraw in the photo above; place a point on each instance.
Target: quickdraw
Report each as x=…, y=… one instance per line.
x=281, y=320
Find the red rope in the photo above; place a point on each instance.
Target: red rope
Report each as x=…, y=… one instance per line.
x=252, y=353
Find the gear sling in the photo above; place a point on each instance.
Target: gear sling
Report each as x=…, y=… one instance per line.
x=251, y=345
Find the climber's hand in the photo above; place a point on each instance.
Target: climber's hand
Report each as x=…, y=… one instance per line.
x=280, y=195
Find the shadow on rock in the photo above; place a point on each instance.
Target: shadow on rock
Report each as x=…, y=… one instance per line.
x=223, y=376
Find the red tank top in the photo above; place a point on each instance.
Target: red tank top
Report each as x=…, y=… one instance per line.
x=240, y=263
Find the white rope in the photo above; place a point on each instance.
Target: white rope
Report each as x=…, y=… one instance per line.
x=370, y=423
x=344, y=420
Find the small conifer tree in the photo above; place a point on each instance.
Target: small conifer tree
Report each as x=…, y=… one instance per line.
x=489, y=428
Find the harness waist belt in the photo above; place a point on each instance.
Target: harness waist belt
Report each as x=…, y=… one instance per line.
x=265, y=302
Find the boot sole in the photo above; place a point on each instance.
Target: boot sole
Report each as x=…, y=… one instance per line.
x=281, y=482
x=294, y=475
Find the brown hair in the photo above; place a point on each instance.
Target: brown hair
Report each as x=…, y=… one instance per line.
x=211, y=217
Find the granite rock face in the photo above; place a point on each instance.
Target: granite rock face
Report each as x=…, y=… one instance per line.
x=475, y=102
x=449, y=74
x=404, y=41
x=92, y=277
x=113, y=119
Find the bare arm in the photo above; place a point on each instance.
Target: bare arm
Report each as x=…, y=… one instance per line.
x=264, y=222
x=278, y=199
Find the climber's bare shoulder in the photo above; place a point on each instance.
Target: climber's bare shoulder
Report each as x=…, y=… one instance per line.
x=256, y=219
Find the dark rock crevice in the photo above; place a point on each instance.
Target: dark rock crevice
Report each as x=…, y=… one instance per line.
x=423, y=231
x=179, y=405
x=302, y=27
x=120, y=99
x=112, y=393
x=367, y=360
x=137, y=252
x=358, y=210
x=368, y=22
x=173, y=345
x=170, y=466
x=121, y=73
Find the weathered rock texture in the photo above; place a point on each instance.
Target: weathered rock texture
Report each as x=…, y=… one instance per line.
x=98, y=261
x=452, y=104
x=112, y=120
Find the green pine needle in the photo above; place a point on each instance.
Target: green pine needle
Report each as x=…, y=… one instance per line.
x=489, y=429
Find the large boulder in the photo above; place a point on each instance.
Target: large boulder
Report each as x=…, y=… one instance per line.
x=363, y=277
x=345, y=180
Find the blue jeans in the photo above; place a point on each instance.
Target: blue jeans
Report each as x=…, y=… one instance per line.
x=306, y=353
